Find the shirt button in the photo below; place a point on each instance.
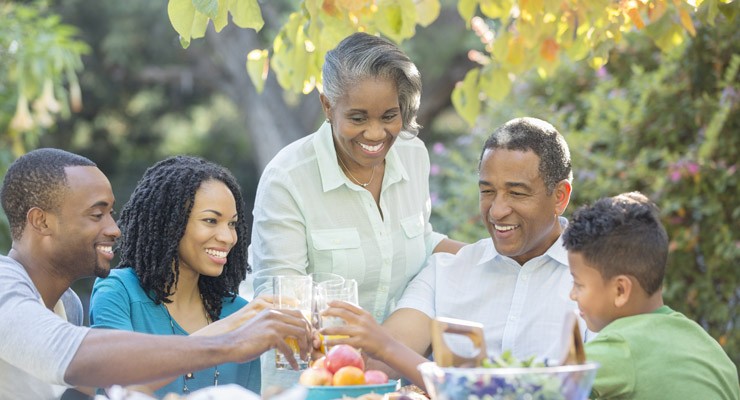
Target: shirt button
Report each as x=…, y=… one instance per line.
x=525, y=277
x=512, y=318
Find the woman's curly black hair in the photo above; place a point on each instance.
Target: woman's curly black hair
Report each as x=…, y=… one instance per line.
x=153, y=223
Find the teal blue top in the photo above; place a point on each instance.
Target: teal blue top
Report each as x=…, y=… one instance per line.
x=119, y=302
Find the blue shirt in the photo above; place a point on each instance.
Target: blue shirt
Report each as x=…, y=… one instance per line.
x=119, y=302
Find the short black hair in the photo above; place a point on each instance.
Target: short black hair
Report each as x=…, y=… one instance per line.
x=525, y=134
x=153, y=222
x=621, y=235
x=36, y=179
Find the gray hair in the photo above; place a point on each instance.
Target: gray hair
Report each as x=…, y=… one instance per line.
x=361, y=56
x=524, y=134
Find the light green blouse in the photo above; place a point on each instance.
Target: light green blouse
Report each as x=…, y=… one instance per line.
x=309, y=217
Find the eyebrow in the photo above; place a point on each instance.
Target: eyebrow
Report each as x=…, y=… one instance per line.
x=509, y=185
x=217, y=212
x=100, y=203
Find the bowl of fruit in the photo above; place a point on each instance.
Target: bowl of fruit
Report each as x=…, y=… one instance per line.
x=341, y=373
x=505, y=378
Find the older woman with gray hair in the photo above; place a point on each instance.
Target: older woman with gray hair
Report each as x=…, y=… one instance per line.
x=353, y=197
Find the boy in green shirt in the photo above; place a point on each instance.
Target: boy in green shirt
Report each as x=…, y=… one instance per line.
x=617, y=250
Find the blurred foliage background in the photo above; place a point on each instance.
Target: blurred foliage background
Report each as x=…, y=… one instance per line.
x=658, y=118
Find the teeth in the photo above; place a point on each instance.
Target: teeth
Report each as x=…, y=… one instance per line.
x=373, y=149
x=505, y=228
x=106, y=249
x=216, y=253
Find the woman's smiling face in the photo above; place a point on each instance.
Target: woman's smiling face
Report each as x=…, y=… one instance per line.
x=211, y=230
x=365, y=121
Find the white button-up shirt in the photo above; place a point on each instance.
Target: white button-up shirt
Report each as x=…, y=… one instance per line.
x=309, y=217
x=522, y=307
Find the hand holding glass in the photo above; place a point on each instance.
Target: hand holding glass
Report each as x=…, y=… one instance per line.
x=327, y=292
x=296, y=293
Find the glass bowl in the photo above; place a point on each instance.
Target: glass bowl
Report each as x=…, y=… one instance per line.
x=568, y=382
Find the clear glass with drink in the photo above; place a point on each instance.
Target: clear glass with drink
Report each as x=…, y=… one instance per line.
x=293, y=292
x=327, y=292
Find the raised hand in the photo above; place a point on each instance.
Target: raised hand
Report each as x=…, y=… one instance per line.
x=267, y=330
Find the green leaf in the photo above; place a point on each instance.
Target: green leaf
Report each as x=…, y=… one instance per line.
x=495, y=83
x=396, y=19
x=222, y=18
x=257, y=65
x=495, y=8
x=467, y=8
x=207, y=7
x=427, y=11
x=200, y=24
x=465, y=97
x=246, y=14
x=182, y=13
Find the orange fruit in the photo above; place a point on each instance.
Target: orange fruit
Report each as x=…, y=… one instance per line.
x=347, y=376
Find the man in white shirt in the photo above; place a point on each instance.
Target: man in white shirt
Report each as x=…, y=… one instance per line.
x=516, y=283
x=60, y=208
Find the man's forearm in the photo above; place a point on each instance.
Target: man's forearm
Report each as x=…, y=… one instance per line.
x=108, y=357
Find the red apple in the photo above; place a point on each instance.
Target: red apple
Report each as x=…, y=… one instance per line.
x=343, y=355
x=375, y=377
x=315, y=377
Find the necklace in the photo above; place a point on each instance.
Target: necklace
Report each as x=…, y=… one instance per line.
x=364, y=185
x=190, y=375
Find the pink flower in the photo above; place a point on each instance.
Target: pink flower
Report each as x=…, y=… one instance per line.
x=439, y=148
x=434, y=170
x=675, y=175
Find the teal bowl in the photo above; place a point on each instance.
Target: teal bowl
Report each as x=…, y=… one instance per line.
x=339, y=392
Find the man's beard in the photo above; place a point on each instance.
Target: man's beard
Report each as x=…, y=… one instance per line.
x=101, y=272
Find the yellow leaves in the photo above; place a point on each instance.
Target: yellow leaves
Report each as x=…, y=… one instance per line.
x=495, y=83
x=549, y=49
x=190, y=17
x=465, y=97
x=633, y=11
x=466, y=9
x=515, y=51
x=427, y=11
x=257, y=67
x=496, y=8
x=686, y=21
x=396, y=19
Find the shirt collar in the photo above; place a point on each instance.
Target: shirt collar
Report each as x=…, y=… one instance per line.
x=332, y=176
x=557, y=251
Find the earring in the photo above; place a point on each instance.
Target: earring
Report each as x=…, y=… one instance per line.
x=328, y=121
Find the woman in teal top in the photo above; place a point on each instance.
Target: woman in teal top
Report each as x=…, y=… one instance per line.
x=181, y=264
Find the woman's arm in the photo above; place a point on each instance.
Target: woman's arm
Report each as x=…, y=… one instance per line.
x=448, y=245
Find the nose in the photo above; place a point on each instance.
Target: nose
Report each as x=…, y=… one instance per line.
x=499, y=208
x=573, y=293
x=375, y=132
x=226, y=234
x=111, y=230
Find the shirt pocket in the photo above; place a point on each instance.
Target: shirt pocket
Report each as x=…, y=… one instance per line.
x=338, y=251
x=414, y=243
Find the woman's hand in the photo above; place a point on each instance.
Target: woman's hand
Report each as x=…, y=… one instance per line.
x=362, y=331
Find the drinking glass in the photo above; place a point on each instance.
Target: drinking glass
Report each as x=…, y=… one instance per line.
x=327, y=292
x=293, y=292
x=326, y=279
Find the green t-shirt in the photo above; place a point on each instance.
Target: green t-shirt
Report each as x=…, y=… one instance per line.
x=660, y=355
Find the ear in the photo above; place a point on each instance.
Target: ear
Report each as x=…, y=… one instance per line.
x=40, y=221
x=326, y=106
x=623, y=290
x=562, y=196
